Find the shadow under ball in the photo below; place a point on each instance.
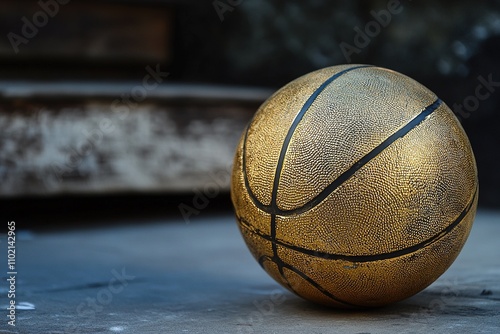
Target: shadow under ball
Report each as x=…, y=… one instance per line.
x=354, y=186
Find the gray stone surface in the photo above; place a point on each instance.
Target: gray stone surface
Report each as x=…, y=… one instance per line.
x=200, y=278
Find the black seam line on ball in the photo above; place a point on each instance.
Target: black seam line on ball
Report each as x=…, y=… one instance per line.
x=294, y=125
x=271, y=208
x=318, y=286
x=279, y=166
x=261, y=261
x=276, y=259
x=367, y=258
x=344, y=176
x=361, y=162
x=364, y=160
x=325, y=292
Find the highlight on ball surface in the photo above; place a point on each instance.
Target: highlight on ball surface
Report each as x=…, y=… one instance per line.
x=354, y=186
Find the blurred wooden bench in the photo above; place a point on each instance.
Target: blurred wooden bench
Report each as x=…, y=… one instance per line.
x=75, y=137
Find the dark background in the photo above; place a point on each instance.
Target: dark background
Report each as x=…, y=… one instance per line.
x=445, y=45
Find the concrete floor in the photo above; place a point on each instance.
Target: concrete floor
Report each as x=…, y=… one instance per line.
x=171, y=277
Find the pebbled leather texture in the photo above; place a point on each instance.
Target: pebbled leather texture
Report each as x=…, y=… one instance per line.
x=354, y=186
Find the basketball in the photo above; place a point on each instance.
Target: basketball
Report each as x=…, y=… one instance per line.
x=354, y=186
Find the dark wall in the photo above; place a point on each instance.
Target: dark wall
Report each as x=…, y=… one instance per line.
x=452, y=47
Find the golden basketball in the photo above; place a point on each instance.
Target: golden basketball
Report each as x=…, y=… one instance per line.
x=354, y=186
